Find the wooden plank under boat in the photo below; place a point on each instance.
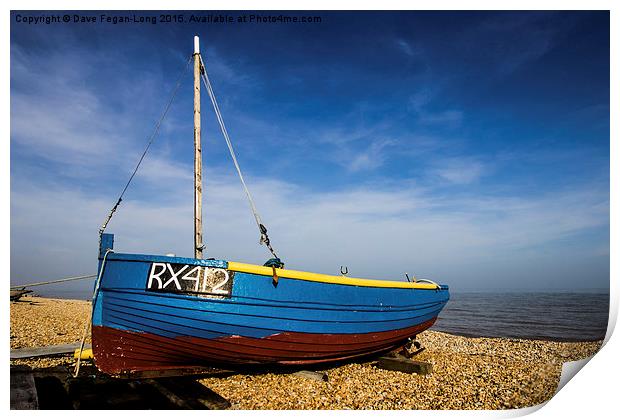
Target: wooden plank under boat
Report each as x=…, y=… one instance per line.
x=158, y=312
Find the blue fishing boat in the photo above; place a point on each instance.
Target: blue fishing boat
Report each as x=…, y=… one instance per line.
x=154, y=312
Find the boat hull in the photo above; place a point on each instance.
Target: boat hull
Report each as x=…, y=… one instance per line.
x=118, y=351
x=138, y=327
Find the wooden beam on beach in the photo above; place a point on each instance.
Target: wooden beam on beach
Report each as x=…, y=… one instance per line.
x=195, y=393
x=308, y=374
x=61, y=349
x=212, y=400
x=402, y=364
x=167, y=393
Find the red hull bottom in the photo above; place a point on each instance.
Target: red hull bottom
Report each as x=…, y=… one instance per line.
x=119, y=352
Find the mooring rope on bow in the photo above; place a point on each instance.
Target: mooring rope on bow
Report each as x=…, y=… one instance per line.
x=41, y=283
x=151, y=139
x=88, y=324
x=264, y=237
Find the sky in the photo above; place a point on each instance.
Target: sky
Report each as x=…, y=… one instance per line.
x=471, y=148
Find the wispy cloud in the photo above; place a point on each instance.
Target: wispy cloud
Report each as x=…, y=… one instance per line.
x=407, y=47
x=462, y=170
x=53, y=118
x=423, y=105
x=371, y=158
x=359, y=144
x=421, y=98
x=159, y=169
x=67, y=124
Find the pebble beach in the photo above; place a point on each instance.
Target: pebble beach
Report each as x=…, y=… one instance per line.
x=468, y=373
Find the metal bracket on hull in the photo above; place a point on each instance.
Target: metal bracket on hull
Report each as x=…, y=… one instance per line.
x=275, y=277
x=107, y=242
x=412, y=348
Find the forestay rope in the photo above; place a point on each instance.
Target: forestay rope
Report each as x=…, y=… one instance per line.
x=151, y=139
x=264, y=237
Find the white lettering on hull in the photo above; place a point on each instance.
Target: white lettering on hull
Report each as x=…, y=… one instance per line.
x=190, y=279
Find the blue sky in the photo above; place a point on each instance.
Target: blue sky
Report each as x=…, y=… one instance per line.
x=467, y=147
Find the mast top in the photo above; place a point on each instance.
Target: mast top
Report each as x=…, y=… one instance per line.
x=196, y=45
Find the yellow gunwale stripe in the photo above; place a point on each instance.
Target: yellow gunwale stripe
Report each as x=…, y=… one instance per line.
x=324, y=278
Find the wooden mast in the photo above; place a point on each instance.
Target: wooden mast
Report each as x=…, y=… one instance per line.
x=198, y=245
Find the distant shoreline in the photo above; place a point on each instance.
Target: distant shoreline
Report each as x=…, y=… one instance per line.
x=529, y=338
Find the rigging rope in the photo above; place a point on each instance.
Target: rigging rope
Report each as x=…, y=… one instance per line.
x=54, y=281
x=151, y=139
x=264, y=237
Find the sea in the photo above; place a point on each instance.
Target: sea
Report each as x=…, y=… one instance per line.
x=556, y=316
